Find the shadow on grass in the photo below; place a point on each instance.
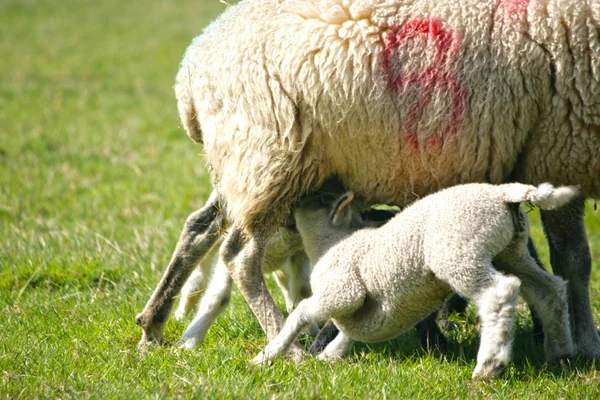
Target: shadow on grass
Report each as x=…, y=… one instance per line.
x=463, y=344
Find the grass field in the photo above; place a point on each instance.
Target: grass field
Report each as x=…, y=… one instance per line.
x=96, y=179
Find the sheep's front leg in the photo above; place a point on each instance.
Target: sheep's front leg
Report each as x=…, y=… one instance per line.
x=199, y=235
x=243, y=257
x=570, y=258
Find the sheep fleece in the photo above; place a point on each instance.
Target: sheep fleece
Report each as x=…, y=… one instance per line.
x=398, y=98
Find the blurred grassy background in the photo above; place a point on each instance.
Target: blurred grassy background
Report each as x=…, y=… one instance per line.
x=96, y=179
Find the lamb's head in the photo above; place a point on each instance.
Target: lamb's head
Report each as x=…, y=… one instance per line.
x=326, y=217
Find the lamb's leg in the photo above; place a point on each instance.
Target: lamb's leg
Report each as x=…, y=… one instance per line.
x=459, y=305
x=193, y=290
x=496, y=306
x=331, y=297
x=545, y=292
x=495, y=296
x=294, y=279
x=191, y=293
x=213, y=303
x=570, y=258
x=338, y=348
x=428, y=331
x=243, y=257
x=200, y=233
x=300, y=318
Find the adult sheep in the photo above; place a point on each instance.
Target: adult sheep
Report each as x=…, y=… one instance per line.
x=399, y=99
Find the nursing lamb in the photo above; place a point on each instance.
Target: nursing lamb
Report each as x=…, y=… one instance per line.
x=376, y=283
x=197, y=247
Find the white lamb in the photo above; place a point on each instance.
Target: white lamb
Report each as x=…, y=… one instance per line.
x=376, y=283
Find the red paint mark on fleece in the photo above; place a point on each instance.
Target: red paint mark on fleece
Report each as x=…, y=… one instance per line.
x=513, y=10
x=514, y=7
x=436, y=75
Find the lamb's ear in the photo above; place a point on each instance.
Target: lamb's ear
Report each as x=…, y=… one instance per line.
x=342, y=214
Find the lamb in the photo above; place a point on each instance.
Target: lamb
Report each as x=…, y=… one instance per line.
x=376, y=283
x=196, y=244
x=292, y=277
x=399, y=99
x=284, y=257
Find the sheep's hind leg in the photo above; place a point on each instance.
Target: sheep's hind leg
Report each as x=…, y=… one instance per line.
x=243, y=257
x=200, y=233
x=213, y=303
x=538, y=332
x=570, y=258
x=546, y=293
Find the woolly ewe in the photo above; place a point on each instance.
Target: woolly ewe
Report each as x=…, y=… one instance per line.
x=399, y=99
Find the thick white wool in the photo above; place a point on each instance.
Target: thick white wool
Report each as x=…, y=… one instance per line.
x=398, y=98
x=544, y=196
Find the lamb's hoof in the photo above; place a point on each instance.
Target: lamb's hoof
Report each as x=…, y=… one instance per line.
x=329, y=357
x=490, y=369
x=188, y=343
x=296, y=353
x=261, y=359
x=145, y=345
x=179, y=315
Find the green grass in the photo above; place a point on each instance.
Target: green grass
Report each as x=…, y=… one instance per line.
x=96, y=179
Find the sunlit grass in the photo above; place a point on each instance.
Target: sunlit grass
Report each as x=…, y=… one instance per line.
x=96, y=179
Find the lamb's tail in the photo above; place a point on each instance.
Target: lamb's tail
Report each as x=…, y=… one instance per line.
x=185, y=103
x=544, y=196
